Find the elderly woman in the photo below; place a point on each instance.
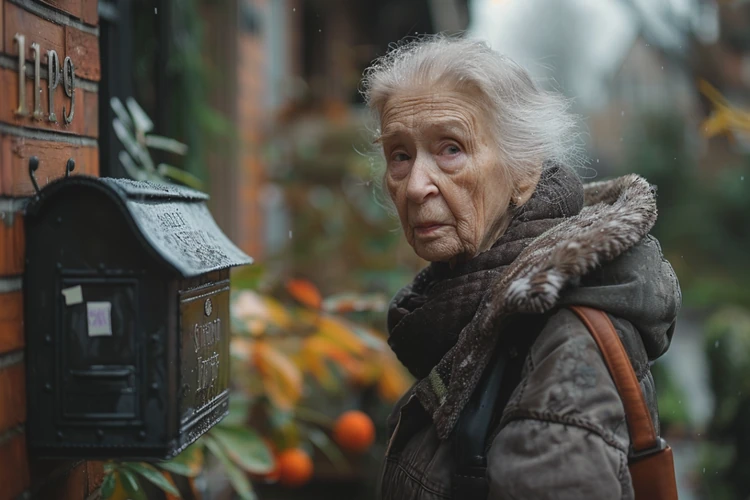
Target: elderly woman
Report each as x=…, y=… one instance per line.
x=478, y=166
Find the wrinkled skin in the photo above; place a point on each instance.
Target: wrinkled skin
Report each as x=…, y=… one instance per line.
x=443, y=174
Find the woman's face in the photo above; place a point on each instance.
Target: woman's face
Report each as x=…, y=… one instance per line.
x=443, y=173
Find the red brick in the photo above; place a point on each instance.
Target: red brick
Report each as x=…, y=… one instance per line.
x=72, y=7
x=85, y=114
x=95, y=474
x=90, y=12
x=11, y=245
x=90, y=114
x=48, y=35
x=12, y=396
x=92, y=162
x=83, y=49
x=11, y=321
x=53, y=156
x=14, y=472
x=2, y=23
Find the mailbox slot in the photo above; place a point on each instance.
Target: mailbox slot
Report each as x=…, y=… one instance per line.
x=99, y=351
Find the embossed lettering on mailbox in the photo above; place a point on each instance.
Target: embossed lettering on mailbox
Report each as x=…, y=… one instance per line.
x=205, y=348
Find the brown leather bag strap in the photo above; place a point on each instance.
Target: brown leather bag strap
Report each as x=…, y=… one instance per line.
x=642, y=433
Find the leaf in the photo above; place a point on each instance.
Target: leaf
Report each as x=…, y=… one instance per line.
x=154, y=476
x=133, y=170
x=145, y=158
x=248, y=304
x=108, y=485
x=329, y=449
x=177, y=468
x=282, y=379
x=166, y=144
x=142, y=122
x=315, y=364
x=348, y=302
x=276, y=313
x=305, y=293
x=239, y=327
x=126, y=138
x=168, y=477
x=239, y=410
x=188, y=463
x=340, y=332
x=117, y=106
x=316, y=349
x=179, y=175
x=131, y=485
x=239, y=481
x=248, y=277
x=369, y=337
x=712, y=93
x=245, y=447
x=241, y=348
x=717, y=123
x=313, y=417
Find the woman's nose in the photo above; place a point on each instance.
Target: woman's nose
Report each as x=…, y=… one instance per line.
x=420, y=184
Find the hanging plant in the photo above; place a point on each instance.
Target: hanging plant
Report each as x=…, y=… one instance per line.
x=133, y=128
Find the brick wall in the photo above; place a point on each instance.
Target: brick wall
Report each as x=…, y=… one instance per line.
x=69, y=27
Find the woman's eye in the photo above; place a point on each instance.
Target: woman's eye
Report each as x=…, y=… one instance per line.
x=450, y=150
x=400, y=157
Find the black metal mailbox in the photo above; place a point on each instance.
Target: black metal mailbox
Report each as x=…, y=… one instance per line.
x=127, y=319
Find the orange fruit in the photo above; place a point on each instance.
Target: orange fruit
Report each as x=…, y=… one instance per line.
x=354, y=431
x=295, y=467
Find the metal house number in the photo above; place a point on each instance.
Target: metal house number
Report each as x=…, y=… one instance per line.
x=54, y=72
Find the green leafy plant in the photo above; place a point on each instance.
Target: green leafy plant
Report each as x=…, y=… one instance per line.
x=133, y=128
x=125, y=477
x=238, y=449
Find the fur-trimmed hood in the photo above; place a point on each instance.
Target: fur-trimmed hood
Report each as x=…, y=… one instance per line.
x=600, y=256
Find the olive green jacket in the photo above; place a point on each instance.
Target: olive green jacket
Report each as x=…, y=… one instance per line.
x=562, y=434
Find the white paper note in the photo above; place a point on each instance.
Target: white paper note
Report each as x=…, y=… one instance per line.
x=100, y=318
x=73, y=295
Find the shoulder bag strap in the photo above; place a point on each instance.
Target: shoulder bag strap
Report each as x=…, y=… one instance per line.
x=650, y=459
x=642, y=433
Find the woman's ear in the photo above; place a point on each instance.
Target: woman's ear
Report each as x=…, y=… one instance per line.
x=526, y=186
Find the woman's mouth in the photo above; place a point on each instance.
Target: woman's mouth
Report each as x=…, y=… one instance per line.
x=427, y=228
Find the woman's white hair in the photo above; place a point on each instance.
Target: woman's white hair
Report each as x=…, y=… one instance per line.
x=532, y=125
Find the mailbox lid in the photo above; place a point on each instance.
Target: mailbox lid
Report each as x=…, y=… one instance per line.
x=172, y=223
x=178, y=225
x=153, y=190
